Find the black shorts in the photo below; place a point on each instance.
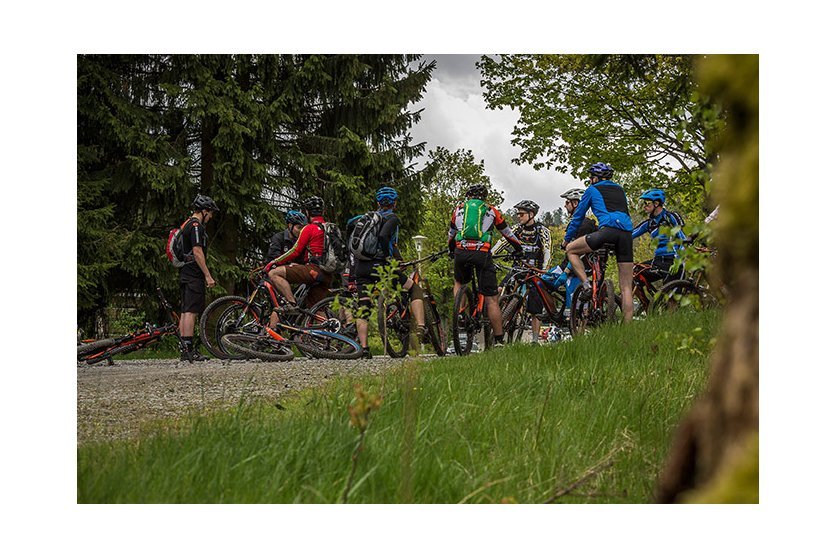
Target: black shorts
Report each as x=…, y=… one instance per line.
x=193, y=295
x=482, y=263
x=620, y=240
x=660, y=269
x=535, y=304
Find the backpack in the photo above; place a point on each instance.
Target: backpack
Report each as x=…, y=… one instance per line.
x=474, y=211
x=365, y=239
x=174, y=246
x=334, y=252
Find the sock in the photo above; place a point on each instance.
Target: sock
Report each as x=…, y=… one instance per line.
x=188, y=344
x=497, y=339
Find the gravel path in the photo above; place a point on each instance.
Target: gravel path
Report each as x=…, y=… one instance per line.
x=117, y=401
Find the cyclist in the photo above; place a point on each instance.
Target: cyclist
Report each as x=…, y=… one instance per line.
x=607, y=201
x=284, y=240
x=665, y=254
x=536, y=244
x=300, y=264
x=195, y=275
x=587, y=226
x=469, y=244
x=365, y=274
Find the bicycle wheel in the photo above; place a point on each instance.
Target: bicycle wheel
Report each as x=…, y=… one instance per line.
x=339, y=309
x=108, y=354
x=581, y=314
x=678, y=294
x=95, y=346
x=513, y=319
x=258, y=346
x=325, y=344
x=463, y=323
x=219, y=319
x=606, y=301
x=434, y=327
x=393, y=321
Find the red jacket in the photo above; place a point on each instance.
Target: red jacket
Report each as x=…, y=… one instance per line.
x=310, y=245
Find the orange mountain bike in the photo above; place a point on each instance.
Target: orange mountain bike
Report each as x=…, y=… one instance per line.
x=599, y=307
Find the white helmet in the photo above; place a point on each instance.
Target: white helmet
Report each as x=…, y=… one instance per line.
x=574, y=194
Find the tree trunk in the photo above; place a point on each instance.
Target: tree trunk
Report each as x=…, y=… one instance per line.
x=716, y=438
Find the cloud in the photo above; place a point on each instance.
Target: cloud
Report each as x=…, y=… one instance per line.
x=455, y=116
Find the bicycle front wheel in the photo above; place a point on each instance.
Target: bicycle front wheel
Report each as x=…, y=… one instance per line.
x=226, y=316
x=513, y=319
x=437, y=335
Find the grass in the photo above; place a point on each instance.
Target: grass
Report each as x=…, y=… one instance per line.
x=583, y=421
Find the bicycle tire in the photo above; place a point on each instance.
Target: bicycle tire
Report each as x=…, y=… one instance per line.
x=607, y=300
x=580, y=314
x=393, y=328
x=95, y=346
x=437, y=335
x=108, y=354
x=513, y=326
x=670, y=295
x=462, y=321
x=215, y=321
x=258, y=346
x=310, y=342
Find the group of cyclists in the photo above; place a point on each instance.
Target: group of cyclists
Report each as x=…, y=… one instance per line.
x=296, y=254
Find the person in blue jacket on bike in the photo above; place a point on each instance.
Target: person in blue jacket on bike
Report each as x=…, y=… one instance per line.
x=665, y=253
x=607, y=201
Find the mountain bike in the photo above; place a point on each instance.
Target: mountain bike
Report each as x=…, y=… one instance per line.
x=693, y=291
x=236, y=314
x=469, y=317
x=394, y=315
x=595, y=309
x=101, y=350
x=522, y=280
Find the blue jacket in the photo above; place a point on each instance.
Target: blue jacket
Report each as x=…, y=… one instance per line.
x=653, y=226
x=607, y=201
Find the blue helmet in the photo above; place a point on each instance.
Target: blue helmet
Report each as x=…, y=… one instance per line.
x=601, y=170
x=654, y=194
x=386, y=195
x=295, y=217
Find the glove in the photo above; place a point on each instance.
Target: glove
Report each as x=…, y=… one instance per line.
x=518, y=252
x=451, y=254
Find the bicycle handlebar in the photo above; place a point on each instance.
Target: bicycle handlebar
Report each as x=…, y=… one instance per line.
x=435, y=255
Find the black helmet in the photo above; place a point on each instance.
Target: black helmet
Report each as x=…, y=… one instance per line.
x=204, y=203
x=314, y=205
x=527, y=205
x=478, y=191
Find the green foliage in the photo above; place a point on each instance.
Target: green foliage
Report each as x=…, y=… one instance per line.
x=255, y=132
x=642, y=114
x=535, y=421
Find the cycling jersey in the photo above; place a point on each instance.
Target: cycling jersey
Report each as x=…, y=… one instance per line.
x=653, y=226
x=308, y=247
x=280, y=243
x=492, y=218
x=536, y=244
x=607, y=201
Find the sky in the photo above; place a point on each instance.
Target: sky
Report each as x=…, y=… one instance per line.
x=456, y=116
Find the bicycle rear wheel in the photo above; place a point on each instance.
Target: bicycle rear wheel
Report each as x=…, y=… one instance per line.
x=258, y=346
x=325, y=344
x=437, y=335
x=513, y=319
x=341, y=309
x=679, y=294
x=463, y=324
x=95, y=346
x=226, y=316
x=393, y=320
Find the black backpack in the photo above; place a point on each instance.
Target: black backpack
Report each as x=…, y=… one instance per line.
x=365, y=239
x=334, y=253
x=174, y=246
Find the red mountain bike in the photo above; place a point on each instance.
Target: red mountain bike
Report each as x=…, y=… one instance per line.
x=100, y=350
x=599, y=307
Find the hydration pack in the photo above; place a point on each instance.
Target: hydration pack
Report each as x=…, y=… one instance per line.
x=365, y=239
x=334, y=252
x=474, y=211
x=174, y=246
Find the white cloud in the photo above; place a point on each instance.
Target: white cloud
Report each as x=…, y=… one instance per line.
x=456, y=116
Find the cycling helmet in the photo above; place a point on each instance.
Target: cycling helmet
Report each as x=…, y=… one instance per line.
x=601, y=170
x=654, y=194
x=527, y=205
x=204, y=203
x=295, y=217
x=574, y=194
x=478, y=191
x=314, y=205
x=386, y=195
